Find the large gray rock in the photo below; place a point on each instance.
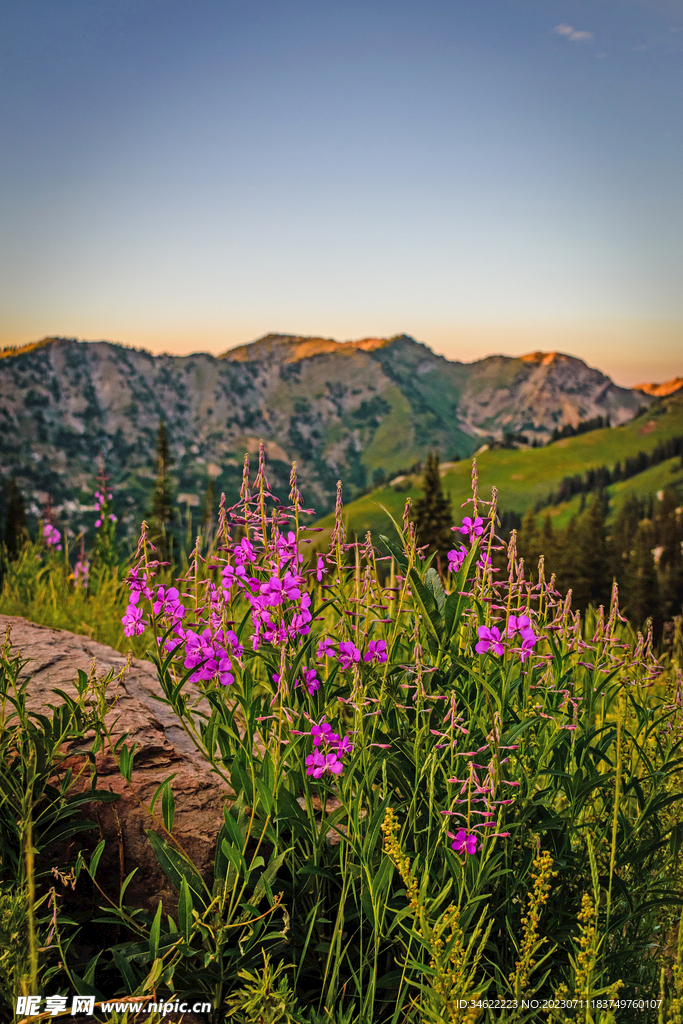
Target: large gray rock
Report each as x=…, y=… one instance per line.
x=54, y=657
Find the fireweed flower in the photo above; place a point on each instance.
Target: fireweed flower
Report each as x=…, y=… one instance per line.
x=168, y=603
x=522, y=624
x=330, y=758
x=471, y=528
x=465, y=842
x=455, y=558
x=81, y=572
x=348, y=654
x=320, y=733
x=311, y=680
x=320, y=569
x=138, y=587
x=377, y=651
x=317, y=764
x=325, y=649
x=489, y=638
x=132, y=621
x=52, y=536
x=244, y=552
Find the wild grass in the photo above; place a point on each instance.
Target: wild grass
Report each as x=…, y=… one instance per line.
x=451, y=826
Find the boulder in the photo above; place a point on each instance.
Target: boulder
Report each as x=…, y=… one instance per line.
x=54, y=657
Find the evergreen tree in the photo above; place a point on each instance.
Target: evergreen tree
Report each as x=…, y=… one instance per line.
x=432, y=512
x=565, y=565
x=16, y=533
x=669, y=556
x=162, y=508
x=593, y=578
x=641, y=583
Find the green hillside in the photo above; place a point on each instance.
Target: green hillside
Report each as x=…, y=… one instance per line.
x=525, y=476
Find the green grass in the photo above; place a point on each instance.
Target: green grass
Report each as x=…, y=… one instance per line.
x=651, y=481
x=523, y=477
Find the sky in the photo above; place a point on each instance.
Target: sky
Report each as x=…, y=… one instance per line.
x=488, y=176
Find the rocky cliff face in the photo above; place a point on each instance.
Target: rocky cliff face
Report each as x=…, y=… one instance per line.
x=353, y=410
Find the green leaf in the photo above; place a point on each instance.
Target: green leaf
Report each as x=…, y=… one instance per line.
x=155, y=932
x=395, y=550
x=89, y=976
x=176, y=868
x=428, y=607
x=95, y=859
x=168, y=806
x=185, y=910
x=127, y=973
x=435, y=587
x=159, y=789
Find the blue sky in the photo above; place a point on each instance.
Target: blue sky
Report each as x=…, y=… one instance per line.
x=486, y=175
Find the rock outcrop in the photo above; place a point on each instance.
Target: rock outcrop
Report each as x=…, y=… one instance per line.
x=162, y=748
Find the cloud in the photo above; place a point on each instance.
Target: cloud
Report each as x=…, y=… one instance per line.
x=573, y=34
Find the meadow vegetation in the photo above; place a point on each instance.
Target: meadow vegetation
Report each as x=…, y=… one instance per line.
x=456, y=799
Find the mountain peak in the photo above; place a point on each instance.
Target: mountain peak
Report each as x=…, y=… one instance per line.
x=293, y=347
x=661, y=390
x=546, y=358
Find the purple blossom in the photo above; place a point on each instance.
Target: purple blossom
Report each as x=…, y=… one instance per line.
x=345, y=746
x=244, y=552
x=321, y=733
x=132, y=621
x=377, y=651
x=472, y=528
x=81, y=573
x=329, y=758
x=325, y=649
x=138, y=586
x=317, y=764
x=465, y=842
x=311, y=680
x=168, y=603
x=456, y=557
x=52, y=536
x=113, y=517
x=286, y=547
x=522, y=624
x=489, y=638
x=348, y=654
x=98, y=523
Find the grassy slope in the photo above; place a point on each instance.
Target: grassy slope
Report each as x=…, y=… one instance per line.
x=522, y=477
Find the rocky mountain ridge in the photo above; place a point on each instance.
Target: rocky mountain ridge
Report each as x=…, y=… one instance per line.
x=669, y=387
x=357, y=410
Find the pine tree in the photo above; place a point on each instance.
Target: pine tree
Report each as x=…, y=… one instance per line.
x=641, y=583
x=593, y=578
x=528, y=542
x=16, y=533
x=432, y=512
x=162, y=508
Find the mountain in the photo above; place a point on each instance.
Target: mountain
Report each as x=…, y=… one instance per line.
x=644, y=448
x=669, y=387
x=356, y=410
